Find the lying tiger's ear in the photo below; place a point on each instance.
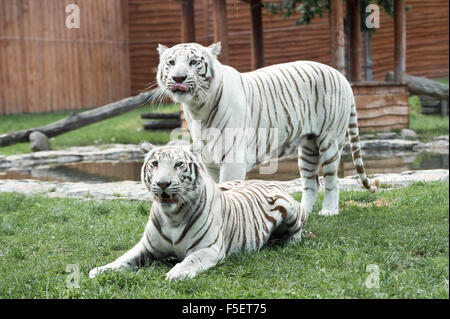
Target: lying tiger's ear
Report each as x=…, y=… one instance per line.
x=215, y=48
x=161, y=49
x=145, y=146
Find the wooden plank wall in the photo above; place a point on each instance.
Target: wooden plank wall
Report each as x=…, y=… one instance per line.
x=381, y=106
x=45, y=66
x=158, y=21
x=427, y=32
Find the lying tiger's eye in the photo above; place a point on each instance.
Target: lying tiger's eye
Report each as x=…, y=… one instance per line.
x=172, y=62
x=155, y=163
x=193, y=62
x=178, y=164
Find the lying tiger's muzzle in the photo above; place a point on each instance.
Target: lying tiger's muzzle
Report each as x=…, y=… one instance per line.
x=166, y=198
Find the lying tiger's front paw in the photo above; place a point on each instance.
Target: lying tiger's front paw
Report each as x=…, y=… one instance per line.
x=96, y=271
x=180, y=272
x=109, y=267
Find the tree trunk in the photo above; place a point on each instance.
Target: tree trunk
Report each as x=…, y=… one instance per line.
x=77, y=120
x=421, y=85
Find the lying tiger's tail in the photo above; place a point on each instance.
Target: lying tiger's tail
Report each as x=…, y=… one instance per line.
x=355, y=146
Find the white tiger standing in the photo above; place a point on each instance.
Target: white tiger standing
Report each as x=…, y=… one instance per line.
x=200, y=222
x=310, y=104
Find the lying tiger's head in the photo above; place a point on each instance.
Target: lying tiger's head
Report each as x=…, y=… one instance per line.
x=186, y=70
x=171, y=174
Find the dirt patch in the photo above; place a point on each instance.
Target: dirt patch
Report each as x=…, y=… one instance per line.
x=381, y=202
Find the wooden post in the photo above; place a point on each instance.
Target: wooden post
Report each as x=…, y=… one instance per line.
x=257, y=34
x=355, y=40
x=337, y=35
x=400, y=40
x=187, y=36
x=187, y=21
x=221, y=28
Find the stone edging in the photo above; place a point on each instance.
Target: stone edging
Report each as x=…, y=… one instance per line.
x=136, y=191
x=122, y=152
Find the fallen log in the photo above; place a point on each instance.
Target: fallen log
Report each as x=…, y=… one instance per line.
x=77, y=120
x=420, y=85
x=162, y=125
x=173, y=116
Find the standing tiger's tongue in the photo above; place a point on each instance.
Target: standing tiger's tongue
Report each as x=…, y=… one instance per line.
x=180, y=87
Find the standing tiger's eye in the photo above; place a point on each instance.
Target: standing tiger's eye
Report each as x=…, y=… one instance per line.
x=193, y=62
x=172, y=62
x=155, y=163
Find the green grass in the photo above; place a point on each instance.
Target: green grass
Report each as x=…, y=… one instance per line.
x=126, y=128
x=404, y=232
x=443, y=80
x=427, y=126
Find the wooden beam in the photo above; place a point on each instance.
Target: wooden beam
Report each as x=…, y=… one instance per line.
x=77, y=120
x=221, y=28
x=187, y=21
x=400, y=40
x=337, y=36
x=257, y=34
x=355, y=40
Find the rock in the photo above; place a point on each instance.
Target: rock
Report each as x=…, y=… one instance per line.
x=372, y=146
x=408, y=134
x=39, y=142
x=387, y=135
x=368, y=137
x=440, y=146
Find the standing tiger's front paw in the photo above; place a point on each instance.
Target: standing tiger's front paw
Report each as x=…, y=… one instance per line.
x=180, y=272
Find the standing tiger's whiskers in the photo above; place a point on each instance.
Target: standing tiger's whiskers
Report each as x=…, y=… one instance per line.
x=148, y=86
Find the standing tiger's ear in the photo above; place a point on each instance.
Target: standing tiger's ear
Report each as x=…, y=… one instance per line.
x=215, y=48
x=145, y=146
x=161, y=49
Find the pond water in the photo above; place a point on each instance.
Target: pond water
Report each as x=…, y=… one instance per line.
x=108, y=171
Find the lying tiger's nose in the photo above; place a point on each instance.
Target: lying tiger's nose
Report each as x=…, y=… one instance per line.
x=179, y=79
x=163, y=185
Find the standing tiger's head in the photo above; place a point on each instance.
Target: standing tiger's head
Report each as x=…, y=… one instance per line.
x=186, y=70
x=172, y=175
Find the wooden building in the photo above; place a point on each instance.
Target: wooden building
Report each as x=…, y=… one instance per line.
x=45, y=66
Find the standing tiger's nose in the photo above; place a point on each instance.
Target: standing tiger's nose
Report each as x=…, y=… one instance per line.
x=179, y=79
x=163, y=185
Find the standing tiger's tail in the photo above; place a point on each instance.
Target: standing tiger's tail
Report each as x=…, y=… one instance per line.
x=355, y=146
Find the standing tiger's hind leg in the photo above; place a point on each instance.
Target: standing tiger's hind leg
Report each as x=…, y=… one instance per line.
x=330, y=152
x=308, y=164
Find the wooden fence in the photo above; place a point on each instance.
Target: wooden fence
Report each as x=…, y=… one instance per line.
x=45, y=66
x=159, y=22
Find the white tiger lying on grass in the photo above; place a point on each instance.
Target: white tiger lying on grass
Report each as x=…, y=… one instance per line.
x=200, y=222
x=303, y=104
